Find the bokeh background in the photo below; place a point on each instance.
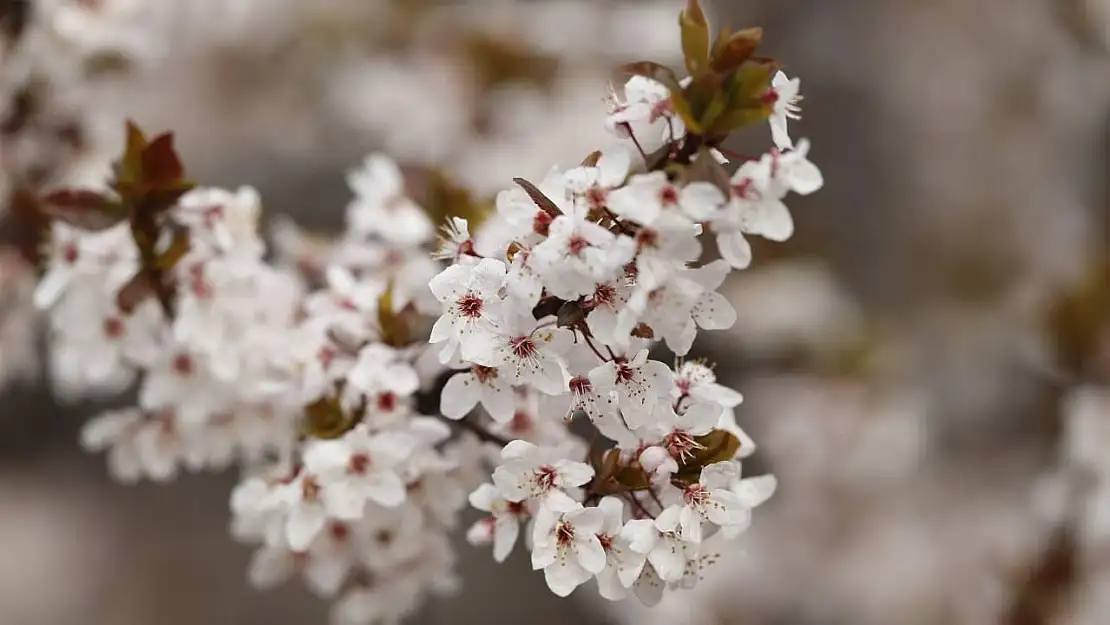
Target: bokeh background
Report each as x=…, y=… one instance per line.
x=896, y=355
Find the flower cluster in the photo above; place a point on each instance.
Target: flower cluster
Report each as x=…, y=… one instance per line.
x=313, y=374
x=202, y=397
x=550, y=314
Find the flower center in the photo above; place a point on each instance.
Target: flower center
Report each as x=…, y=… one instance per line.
x=339, y=531
x=310, y=489
x=183, y=364
x=668, y=195
x=605, y=294
x=625, y=373
x=743, y=189
x=485, y=375
x=662, y=108
x=581, y=386
x=113, y=327
x=647, y=237
x=541, y=223
x=360, y=464
x=596, y=197
x=545, y=477
x=469, y=305
x=606, y=542
x=577, y=244
x=681, y=444
x=521, y=423
x=387, y=402
x=524, y=347
x=69, y=253
x=695, y=495
x=564, y=533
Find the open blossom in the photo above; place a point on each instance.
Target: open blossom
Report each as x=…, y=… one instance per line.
x=358, y=468
x=786, y=108
x=623, y=566
x=711, y=500
x=578, y=253
x=478, y=385
x=472, y=304
x=529, y=352
x=638, y=382
x=661, y=541
x=502, y=526
x=566, y=546
x=381, y=206
x=529, y=472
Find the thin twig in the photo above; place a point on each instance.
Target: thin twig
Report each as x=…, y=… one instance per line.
x=484, y=435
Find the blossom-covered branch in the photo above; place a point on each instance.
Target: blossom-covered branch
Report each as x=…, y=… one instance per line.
x=537, y=311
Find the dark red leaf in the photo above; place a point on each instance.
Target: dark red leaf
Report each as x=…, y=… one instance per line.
x=160, y=164
x=137, y=290
x=542, y=201
x=88, y=210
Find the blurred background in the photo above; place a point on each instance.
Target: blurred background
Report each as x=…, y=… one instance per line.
x=904, y=358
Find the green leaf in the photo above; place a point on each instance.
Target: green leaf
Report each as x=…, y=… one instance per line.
x=682, y=108
x=695, y=37
x=717, y=446
x=746, y=89
x=394, y=329
x=130, y=168
x=176, y=250
x=326, y=419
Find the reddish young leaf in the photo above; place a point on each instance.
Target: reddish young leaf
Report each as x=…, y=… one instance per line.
x=655, y=71
x=542, y=201
x=88, y=210
x=137, y=290
x=161, y=166
x=730, y=53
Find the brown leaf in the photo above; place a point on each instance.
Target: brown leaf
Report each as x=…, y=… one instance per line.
x=730, y=53
x=717, y=446
x=88, y=210
x=25, y=226
x=542, y=201
x=705, y=168
x=326, y=419
x=161, y=166
x=14, y=17
x=655, y=71
x=137, y=290
x=570, y=314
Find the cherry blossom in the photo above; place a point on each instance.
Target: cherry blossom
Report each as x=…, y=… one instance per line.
x=565, y=544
